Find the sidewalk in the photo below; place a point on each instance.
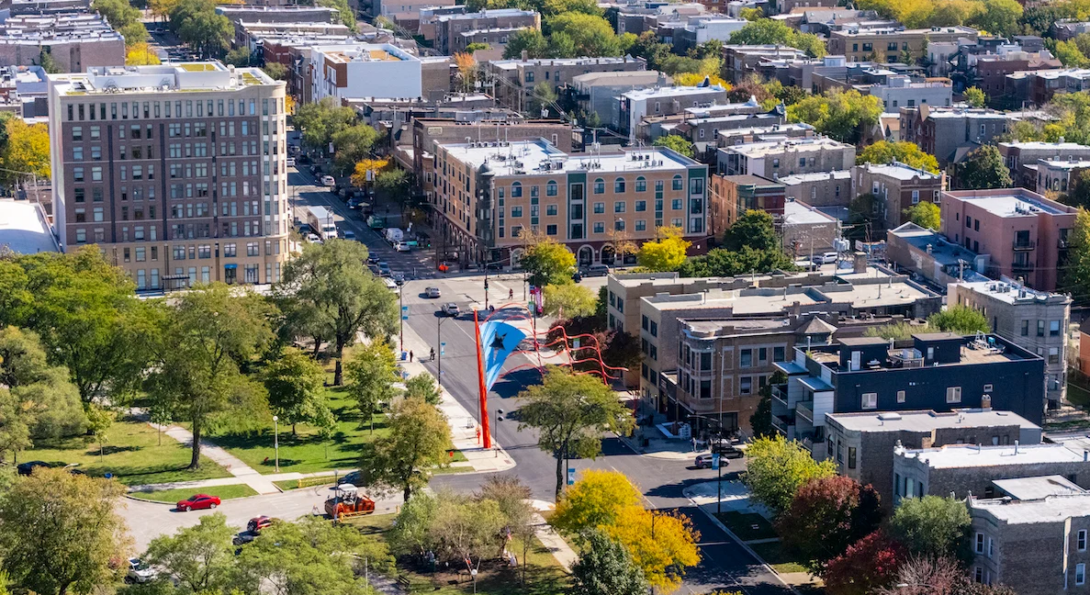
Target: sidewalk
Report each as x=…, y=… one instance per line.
x=234, y=480
x=550, y=539
x=249, y=476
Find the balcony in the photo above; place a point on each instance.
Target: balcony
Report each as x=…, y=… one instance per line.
x=779, y=393
x=1023, y=246
x=784, y=425
x=1023, y=266
x=805, y=410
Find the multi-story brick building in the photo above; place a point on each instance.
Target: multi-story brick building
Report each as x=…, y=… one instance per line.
x=951, y=133
x=896, y=188
x=888, y=44
x=1059, y=175
x=176, y=171
x=515, y=80
x=732, y=196
x=488, y=192
x=636, y=105
x=454, y=32
x=862, y=443
x=820, y=189
x=938, y=371
x=1024, y=233
x=1023, y=158
x=773, y=159
x=75, y=41
x=1034, y=320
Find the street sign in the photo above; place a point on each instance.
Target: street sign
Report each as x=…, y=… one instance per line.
x=715, y=461
x=575, y=343
x=571, y=476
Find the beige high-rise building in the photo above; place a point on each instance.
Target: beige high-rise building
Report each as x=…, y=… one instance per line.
x=176, y=171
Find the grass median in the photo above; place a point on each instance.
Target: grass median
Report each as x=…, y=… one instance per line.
x=227, y=492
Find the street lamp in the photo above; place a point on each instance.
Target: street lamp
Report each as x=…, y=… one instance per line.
x=401, y=307
x=276, y=442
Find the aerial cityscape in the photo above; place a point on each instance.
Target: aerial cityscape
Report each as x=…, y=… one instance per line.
x=544, y=297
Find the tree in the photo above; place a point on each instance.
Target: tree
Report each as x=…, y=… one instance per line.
x=423, y=387
x=754, y=229
x=595, y=500
x=865, y=567
x=62, y=532
x=367, y=170
x=197, y=24
x=332, y=280
x=719, y=262
x=543, y=99
x=662, y=544
x=862, y=217
x=548, y=263
x=569, y=300
x=570, y=412
x=908, y=153
x=530, y=41
x=395, y=183
x=119, y=13
x=606, y=568
x=465, y=530
x=692, y=79
x=589, y=35
x=418, y=441
x=350, y=145
x=933, y=526
x=768, y=31
x=923, y=575
x=161, y=9
x=601, y=308
x=294, y=383
x=984, y=169
x=975, y=97
x=410, y=535
x=345, y=13
x=963, y=320
x=201, y=557
x=371, y=374
x=1076, y=277
x=26, y=150
x=310, y=557
x=276, y=71
x=761, y=420
x=675, y=143
x=319, y=121
x=477, y=46
x=827, y=515
x=842, y=115
x=141, y=54
x=468, y=70
x=239, y=57
x=208, y=334
x=926, y=215
x=513, y=498
x=776, y=470
x=39, y=401
x=667, y=253
x=999, y=17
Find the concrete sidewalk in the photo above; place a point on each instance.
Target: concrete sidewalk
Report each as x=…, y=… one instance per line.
x=240, y=470
x=550, y=538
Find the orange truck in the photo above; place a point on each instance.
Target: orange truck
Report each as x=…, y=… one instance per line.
x=348, y=502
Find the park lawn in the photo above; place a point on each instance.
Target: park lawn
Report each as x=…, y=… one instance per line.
x=742, y=524
x=778, y=557
x=306, y=452
x=545, y=576
x=132, y=453
x=226, y=492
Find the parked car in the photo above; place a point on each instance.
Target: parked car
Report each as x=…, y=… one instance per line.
x=827, y=258
x=139, y=572
x=403, y=247
x=349, y=234
x=389, y=283
x=596, y=270
x=354, y=203
x=313, y=238
x=352, y=478
x=450, y=309
x=372, y=259
x=198, y=502
x=398, y=278
x=431, y=292
x=290, y=161
x=328, y=181
x=28, y=467
x=256, y=524
x=705, y=461
x=384, y=269
x=727, y=449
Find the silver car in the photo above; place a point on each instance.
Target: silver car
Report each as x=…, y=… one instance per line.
x=432, y=292
x=450, y=309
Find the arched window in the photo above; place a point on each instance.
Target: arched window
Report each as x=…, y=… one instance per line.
x=618, y=186
x=550, y=188
x=641, y=184
x=677, y=183
x=599, y=186
x=516, y=190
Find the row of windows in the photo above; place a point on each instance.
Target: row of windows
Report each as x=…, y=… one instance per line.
x=953, y=395
x=619, y=186
x=154, y=109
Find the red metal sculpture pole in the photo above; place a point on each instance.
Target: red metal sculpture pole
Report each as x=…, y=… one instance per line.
x=484, y=389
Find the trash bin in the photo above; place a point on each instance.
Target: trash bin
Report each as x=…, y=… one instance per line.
x=404, y=355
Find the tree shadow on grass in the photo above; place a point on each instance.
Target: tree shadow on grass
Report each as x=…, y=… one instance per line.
x=110, y=450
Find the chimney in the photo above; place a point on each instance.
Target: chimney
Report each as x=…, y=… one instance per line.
x=1015, y=447
x=859, y=262
x=525, y=55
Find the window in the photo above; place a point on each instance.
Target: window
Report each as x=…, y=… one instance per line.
x=654, y=329
x=1053, y=355
x=745, y=358
x=599, y=207
x=1054, y=328
x=550, y=210
x=779, y=354
x=1025, y=328
x=550, y=230
x=77, y=133
x=516, y=190
x=1081, y=541
x=978, y=576
x=1040, y=328
x=900, y=396
x=851, y=457
x=870, y=401
x=516, y=211
x=676, y=204
x=915, y=196
x=641, y=225
x=677, y=184
x=599, y=186
x=77, y=174
x=550, y=190
x=979, y=543
x=599, y=227
x=618, y=206
x=953, y=394
x=618, y=186
x=641, y=184
x=1080, y=574
x=745, y=385
x=641, y=205
x=618, y=225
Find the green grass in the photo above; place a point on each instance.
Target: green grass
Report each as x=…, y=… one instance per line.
x=741, y=523
x=777, y=557
x=306, y=452
x=227, y=492
x=545, y=576
x=132, y=453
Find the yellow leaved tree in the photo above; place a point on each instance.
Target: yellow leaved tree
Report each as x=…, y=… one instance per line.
x=595, y=500
x=665, y=254
x=27, y=150
x=467, y=70
x=141, y=54
x=660, y=543
x=692, y=79
x=372, y=166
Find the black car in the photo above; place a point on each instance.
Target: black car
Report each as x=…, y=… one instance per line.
x=28, y=467
x=352, y=478
x=372, y=259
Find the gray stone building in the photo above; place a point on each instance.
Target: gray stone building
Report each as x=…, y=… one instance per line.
x=896, y=188
x=862, y=444
x=965, y=470
x=1033, y=320
x=454, y=32
x=774, y=159
x=820, y=189
x=597, y=92
x=515, y=80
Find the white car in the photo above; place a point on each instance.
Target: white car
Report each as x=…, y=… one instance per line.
x=390, y=283
x=313, y=238
x=290, y=161
x=403, y=247
x=140, y=572
x=328, y=181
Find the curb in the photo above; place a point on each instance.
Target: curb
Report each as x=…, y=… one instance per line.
x=748, y=549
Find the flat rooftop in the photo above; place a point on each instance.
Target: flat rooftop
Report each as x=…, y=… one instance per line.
x=926, y=421
x=542, y=158
x=797, y=213
x=814, y=177
x=164, y=78
x=364, y=52
x=1050, y=509
x=957, y=456
x=900, y=171
x=23, y=228
x=512, y=64
x=1014, y=202
x=1043, y=146
x=1034, y=488
x=1065, y=163
x=1012, y=292
x=942, y=250
x=816, y=143
x=757, y=301
x=660, y=92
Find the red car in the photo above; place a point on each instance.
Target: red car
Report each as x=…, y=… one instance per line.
x=258, y=523
x=198, y=502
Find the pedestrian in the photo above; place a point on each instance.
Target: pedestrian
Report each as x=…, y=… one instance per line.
x=432, y=353
x=410, y=355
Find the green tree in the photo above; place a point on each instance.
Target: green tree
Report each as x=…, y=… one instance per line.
x=62, y=532
x=984, y=169
x=311, y=557
x=513, y=498
x=423, y=387
x=975, y=97
x=331, y=279
x=675, y=143
x=999, y=17
x=119, y=13
x=862, y=217
x=569, y=300
x=925, y=214
x=240, y=57
x=395, y=183
x=201, y=557
x=345, y=12
x=543, y=99
x=48, y=62
x=768, y=31
x=417, y=443
x=606, y=568
x=198, y=26
x=591, y=35
x=466, y=528
x=321, y=120
x=548, y=263
x=842, y=115
x=39, y=401
x=529, y=40
x=570, y=413
x=371, y=374
x=777, y=468
x=963, y=320
x=721, y=262
x=410, y=535
x=665, y=254
x=207, y=335
x=294, y=383
x=754, y=229
x=1069, y=54
x=601, y=307
x=826, y=516
x=904, y=152
x=933, y=527
x=761, y=420
x=352, y=144
x=1078, y=193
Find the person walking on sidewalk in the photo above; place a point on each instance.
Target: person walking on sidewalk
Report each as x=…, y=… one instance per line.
x=410, y=355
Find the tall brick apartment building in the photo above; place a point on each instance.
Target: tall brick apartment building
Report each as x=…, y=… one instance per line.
x=176, y=171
